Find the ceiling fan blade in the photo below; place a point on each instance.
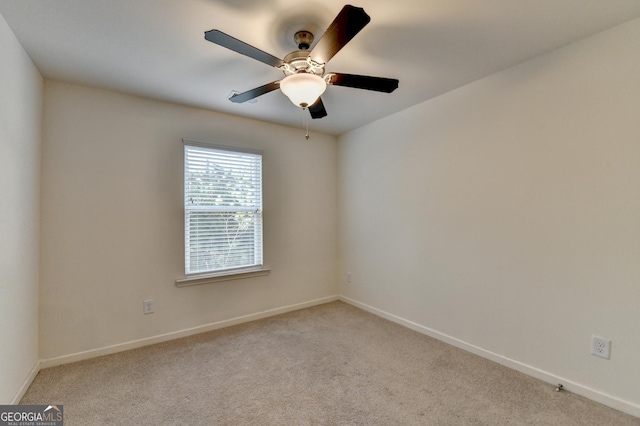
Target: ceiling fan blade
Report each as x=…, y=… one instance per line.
x=254, y=93
x=231, y=43
x=317, y=109
x=379, y=84
x=344, y=27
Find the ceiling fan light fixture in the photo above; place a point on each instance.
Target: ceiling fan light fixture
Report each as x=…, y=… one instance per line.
x=304, y=69
x=303, y=89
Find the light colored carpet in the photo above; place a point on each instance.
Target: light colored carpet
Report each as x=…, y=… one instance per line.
x=328, y=365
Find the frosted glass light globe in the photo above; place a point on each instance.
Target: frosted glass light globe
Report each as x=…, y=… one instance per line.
x=303, y=89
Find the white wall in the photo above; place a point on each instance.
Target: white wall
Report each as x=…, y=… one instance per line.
x=20, y=122
x=505, y=215
x=112, y=219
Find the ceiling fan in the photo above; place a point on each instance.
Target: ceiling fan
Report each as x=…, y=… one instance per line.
x=305, y=78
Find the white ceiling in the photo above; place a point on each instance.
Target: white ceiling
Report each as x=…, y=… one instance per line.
x=156, y=48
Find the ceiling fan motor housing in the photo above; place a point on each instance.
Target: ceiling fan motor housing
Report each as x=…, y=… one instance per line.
x=299, y=61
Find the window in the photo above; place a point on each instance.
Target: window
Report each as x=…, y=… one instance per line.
x=222, y=208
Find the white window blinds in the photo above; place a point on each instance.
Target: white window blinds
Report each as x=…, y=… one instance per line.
x=222, y=208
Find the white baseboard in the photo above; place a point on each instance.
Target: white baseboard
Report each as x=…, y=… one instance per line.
x=611, y=401
x=93, y=353
x=27, y=382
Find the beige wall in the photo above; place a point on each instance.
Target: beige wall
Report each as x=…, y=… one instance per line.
x=20, y=121
x=505, y=216
x=112, y=219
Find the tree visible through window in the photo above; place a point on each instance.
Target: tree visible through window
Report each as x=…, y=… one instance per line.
x=222, y=207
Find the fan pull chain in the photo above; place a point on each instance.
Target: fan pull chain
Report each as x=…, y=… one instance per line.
x=305, y=122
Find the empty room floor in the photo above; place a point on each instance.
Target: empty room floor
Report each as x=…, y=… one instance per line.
x=331, y=364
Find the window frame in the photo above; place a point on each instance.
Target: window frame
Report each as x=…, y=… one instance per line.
x=216, y=275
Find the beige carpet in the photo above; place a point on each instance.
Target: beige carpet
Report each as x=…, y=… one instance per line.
x=327, y=365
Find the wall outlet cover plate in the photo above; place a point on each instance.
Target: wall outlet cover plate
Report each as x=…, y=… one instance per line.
x=601, y=347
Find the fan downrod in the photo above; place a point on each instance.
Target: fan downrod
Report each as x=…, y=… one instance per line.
x=303, y=39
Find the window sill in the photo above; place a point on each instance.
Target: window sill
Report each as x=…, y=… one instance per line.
x=231, y=274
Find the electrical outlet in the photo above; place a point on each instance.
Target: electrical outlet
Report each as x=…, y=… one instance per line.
x=147, y=306
x=348, y=278
x=601, y=347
